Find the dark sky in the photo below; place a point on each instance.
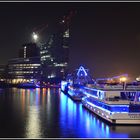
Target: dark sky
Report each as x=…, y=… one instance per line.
x=105, y=37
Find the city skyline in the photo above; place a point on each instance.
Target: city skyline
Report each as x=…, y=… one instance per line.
x=105, y=37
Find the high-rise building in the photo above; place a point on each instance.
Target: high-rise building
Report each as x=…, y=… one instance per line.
x=55, y=52
x=44, y=61
x=55, y=55
x=45, y=52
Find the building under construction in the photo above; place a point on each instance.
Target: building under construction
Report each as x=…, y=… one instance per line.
x=55, y=52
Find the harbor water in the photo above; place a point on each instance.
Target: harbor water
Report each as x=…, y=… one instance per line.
x=49, y=113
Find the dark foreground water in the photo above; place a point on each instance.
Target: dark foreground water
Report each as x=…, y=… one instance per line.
x=49, y=113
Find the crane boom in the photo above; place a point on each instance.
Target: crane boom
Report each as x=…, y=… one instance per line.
x=40, y=28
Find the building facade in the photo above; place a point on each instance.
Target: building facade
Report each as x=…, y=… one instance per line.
x=25, y=68
x=55, y=55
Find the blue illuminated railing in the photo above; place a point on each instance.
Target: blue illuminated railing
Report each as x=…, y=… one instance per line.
x=112, y=108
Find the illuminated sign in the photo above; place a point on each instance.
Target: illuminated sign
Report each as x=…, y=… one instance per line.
x=81, y=71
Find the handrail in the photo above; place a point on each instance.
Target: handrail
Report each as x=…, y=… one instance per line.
x=114, y=87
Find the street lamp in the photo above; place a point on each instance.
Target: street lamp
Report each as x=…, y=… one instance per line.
x=123, y=80
x=35, y=36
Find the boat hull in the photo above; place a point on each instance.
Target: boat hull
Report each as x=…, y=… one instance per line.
x=75, y=98
x=128, y=118
x=28, y=85
x=75, y=94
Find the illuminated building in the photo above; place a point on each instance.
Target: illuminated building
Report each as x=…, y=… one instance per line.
x=22, y=70
x=55, y=52
x=51, y=58
x=25, y=68
x=48, y=62
x=54, y=56
x=45, y=52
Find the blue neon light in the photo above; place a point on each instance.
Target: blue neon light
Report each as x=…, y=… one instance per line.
x=110, y=112
x=99, y=107
x=90, y=95
x=37, y=85
x=106, y=104
x=81, y=69
x=106, y=107
x=93, y=89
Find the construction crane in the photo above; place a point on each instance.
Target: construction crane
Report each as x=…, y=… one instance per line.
x=66, y=20
x=40, y=28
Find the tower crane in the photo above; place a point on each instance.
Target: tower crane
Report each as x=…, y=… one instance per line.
x=66, y=20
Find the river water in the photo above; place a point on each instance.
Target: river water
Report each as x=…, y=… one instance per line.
x=49, y=113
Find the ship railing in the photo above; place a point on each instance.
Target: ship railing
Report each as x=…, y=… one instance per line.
x=114, y=87
x=110, y=87
x=133, y=87
x=116, y=101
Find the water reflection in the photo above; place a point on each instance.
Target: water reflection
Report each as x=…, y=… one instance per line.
x=33, y=128
x=40, y=113
x=82, y=122
x=79, y=121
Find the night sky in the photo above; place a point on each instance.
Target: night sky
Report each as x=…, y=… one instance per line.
x=105, y=37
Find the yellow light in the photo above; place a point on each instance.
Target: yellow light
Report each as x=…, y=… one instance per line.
x=123, y=79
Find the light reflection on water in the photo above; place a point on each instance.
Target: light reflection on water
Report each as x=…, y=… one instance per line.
x=79, y=120
x=40, y=113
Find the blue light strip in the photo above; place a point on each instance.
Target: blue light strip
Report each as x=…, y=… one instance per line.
x=90, y=95
x=104, y=109
x=112, y=105
x=98, y=107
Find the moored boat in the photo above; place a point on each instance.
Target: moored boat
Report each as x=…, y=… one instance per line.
x=64, y=86
x=28, y=85
x=74, y=83
x=114, y=103
x=76, y=92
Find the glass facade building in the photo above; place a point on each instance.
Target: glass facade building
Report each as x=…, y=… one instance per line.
x=54, y=55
